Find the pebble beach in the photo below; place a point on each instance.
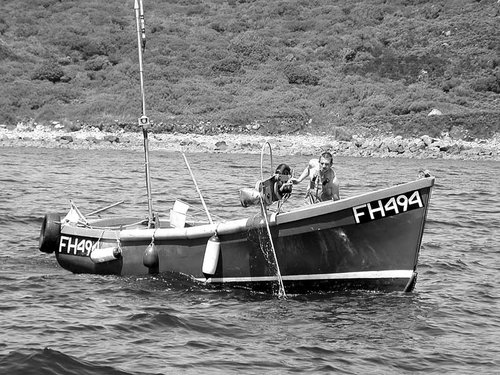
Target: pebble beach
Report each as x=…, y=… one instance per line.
x=423, y=147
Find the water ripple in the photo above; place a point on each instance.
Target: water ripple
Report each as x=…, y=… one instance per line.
x=55, y=322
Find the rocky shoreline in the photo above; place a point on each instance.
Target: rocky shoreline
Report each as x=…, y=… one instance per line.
x=423, y=147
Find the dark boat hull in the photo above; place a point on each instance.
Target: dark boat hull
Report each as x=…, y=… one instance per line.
x=370, y=241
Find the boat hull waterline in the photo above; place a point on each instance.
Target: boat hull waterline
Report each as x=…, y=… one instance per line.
x=370, y=241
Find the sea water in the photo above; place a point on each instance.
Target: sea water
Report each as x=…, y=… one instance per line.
x=56, y=322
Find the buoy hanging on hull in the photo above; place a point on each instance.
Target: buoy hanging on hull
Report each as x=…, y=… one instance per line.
x=105, y=254
x=211, y=258
x=150, y=257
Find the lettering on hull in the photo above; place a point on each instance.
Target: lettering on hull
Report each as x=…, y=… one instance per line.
x=77, y=246
x=387, y=207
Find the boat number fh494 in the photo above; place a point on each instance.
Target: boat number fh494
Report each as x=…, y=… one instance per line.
x=387, y=207
x=76, y=246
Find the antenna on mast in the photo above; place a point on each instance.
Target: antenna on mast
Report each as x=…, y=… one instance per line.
x=144, y=120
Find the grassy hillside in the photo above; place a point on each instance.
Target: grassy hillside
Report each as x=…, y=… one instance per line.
x=269, y=66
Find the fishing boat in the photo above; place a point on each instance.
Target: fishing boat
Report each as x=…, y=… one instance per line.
x=369, y=241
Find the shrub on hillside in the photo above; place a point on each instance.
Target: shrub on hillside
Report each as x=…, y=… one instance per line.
x=491, y=83
x=6, y=52
x=7, y=118
x=195, y=9
x=47, y=114
x=328, y=49
x=250, y=47
x=420, y=106
x=240, y=116
x=97, y=63
x=25, y=31
x=87, y=46
x=227, y=65
x=285, y=9
x=399, y=107
x=299, y=26
x=389, y=65
x=449, y=84
x=50, y=71
x=377, y=101
x=300, y=75
x=217, y=26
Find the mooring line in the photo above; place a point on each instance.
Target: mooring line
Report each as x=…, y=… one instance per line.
x=281, y=290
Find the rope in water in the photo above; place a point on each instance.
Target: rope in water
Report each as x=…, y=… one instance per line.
x=281, y=286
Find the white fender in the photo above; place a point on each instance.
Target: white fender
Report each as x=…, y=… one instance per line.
x=105, y=254
x=211, y=258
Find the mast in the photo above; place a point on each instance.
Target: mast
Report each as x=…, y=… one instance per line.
x=144, y=120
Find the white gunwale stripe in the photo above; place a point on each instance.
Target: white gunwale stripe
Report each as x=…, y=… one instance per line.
x=389, y=274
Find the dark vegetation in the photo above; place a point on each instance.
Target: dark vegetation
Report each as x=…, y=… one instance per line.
x=255, y=65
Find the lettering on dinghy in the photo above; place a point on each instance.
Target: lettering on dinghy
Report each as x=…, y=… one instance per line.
x=76, y=246
x=387, y=207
